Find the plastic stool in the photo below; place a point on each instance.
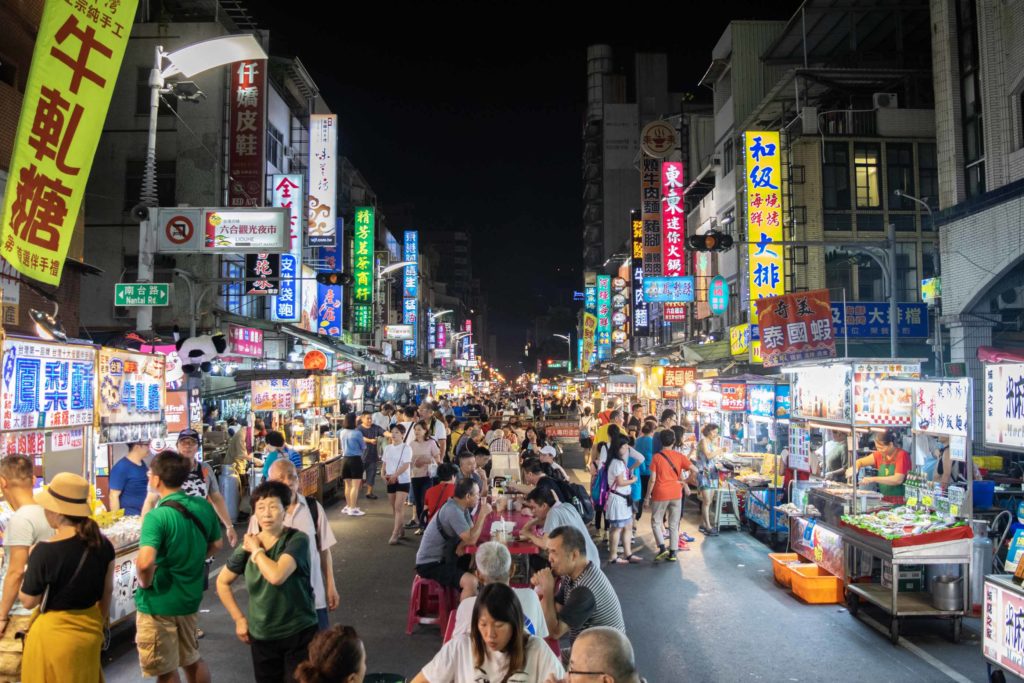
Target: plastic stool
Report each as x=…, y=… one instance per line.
x=429, y=603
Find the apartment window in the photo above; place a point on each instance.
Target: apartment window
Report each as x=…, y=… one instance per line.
x=275, y=147
x=839, y=274
x=899, y=168
x=168, y=103
x=929, y=260
x=867, y=174
x=870, y=280
x=906, y=272
x=928, y=170
x=728, y=156
x=836, y=176
x=165, y=182
x=1020, y=115
x=970, y=98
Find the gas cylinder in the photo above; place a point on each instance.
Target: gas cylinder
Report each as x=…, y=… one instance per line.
x=981, y=562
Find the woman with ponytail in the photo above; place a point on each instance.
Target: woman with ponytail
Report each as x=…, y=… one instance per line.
x=70, y=579
x=335, y=656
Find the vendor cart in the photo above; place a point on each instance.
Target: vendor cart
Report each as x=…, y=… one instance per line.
x=1002, y=618
x=949, y=546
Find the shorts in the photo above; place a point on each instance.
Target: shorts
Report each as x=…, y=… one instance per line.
x=619, y=523
x=445, y=573
x=352, y=467
x=166, y=643
x=398, y=488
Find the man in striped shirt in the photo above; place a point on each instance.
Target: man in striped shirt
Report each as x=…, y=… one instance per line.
x=586, y=597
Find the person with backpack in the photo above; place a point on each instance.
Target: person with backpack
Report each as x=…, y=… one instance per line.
x=281, y=619
x=551, y=512
x=588, y=423
x=664, y=495
x=177, y=537
x=309, y=517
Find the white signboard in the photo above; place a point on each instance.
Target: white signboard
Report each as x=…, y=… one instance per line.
x=877, y=402
x=287, y=194
x=1004, y=405
x=46, y=386
x=440, y=354
x=397, y=332
x=799, y=449
x=122, y=602
x=942, y=407
x=621, y=384
x=323, y=186
x=264, y=230
x=1002, y=623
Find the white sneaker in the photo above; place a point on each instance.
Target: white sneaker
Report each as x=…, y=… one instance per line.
x=356, y=512
x=346, y=510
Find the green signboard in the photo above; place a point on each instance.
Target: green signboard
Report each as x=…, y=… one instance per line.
x=362, y=269
x=142, y=294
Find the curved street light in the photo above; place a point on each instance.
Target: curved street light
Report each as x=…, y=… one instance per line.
x=394, y=266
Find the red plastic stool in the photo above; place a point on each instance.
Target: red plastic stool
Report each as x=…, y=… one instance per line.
x=429, y=603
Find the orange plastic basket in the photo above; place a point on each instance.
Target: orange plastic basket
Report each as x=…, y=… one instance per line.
x=781, y=567
x=814, y=585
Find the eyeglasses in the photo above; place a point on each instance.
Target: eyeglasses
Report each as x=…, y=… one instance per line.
x=570, y=673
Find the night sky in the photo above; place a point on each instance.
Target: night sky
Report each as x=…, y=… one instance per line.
x=481, y=130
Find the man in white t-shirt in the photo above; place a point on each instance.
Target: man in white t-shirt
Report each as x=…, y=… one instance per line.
x=384, y=417
x=493, y=565
x=300, y=515
x=26, y=527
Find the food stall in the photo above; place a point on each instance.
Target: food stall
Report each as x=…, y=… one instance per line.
x=767, y=424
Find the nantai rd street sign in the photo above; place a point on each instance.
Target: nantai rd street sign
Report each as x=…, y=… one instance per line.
x=142, y=294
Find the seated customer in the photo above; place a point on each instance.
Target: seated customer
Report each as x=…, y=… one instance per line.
x=439, y=494
x=336, y=655
x=442, y=556
x=494, y=565
x=606, y=650
x=497, y=648
x=536, y=477
x=549, y=513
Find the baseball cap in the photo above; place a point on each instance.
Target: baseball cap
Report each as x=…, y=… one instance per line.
x=188, y=434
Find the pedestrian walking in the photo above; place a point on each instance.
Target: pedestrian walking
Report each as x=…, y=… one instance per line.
x=618, y=508
x=353, y=445
x=397, y=463
x=177, y=537
x=425, y=453
x=375, y=437
x=668, y=468
x=281, y=621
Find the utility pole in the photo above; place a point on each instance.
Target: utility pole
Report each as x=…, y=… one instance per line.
x=893, y=307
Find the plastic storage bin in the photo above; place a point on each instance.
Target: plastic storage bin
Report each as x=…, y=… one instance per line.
x=814, y=585
x=984, y=494
x=781, y=567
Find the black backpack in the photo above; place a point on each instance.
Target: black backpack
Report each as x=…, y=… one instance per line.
x=579, y=497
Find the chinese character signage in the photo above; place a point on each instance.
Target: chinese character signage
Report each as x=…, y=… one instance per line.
x=673, y=219
x=304, y=392
x=362, y=269
x=620, y=312
x=942, y=407
x=398, y=332
x=261, y=273
x=718, y=295
x=796, y=327
x=590, y=306
x=329, y=298
x=870, y=319
x=589, y=338
x=130, y=394
x=764, y=216
x=245, y=341
x=246, y=230
x=739, y=339
x=248, y=103
x=75, y=62
x=669, y=289
x=43, y=386
x=621, y=384
x=309, y=313
x=287, y=194
x=883, y=403
x=641, y=325
x=323, y=185
x=410, y=288
x=650, y=213
x=673, y=313
x=271, y=394
x=328, y=389
x=604, y=317
x=702, y=273
x=679, y=377
x=1004, y=405
x=1003, y=626
x=761, y=398
x=734, y=397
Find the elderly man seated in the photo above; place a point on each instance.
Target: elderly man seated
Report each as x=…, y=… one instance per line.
x=602, y=654
x=494, y=565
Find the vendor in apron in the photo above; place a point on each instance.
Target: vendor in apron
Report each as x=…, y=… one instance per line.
x=892, y=463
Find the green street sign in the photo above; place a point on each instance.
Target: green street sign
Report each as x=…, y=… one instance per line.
x=142, y=294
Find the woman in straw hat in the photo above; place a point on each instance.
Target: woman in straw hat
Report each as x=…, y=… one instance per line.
x=69, y=577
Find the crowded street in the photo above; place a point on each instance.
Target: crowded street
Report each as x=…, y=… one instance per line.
x=400, y=343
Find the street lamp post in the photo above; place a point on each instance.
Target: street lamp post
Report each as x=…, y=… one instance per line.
x=931, y=224
x=189, y=61
x=567, y=338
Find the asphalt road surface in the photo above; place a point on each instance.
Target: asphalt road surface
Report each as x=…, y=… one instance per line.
x=716, y=615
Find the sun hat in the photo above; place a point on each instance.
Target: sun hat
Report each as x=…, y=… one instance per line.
x=68, y=495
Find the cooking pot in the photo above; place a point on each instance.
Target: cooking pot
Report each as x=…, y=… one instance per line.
x=948, y=593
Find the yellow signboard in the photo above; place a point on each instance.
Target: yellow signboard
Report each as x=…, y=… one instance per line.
x=764, y=216
x=589, y=334
x=739, y=339
x=75, y=62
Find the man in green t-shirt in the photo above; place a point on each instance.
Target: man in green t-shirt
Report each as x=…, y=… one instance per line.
x=177, y=536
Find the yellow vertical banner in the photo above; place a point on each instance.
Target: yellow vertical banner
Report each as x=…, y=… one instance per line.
x=75, y=62
x=589, y=334
x=766, y=265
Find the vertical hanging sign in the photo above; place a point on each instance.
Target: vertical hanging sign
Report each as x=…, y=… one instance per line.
x=323, y=185
x=673, y=219
x=410, y=290
x=764, y=216
x=330, y=298
x=640, y=325
x=248, y=120
x=287, y=193
x=604, y=317
x=362, y=270
x=77, y=55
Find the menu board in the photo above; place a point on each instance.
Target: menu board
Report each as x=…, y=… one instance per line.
x=709, y=401
x=822, y=392
x=1004, y=405
x=46, y=386
x=271, y=394
x=328, y=390
x=799, y=449
x=304, y=392
x=734, y=397
x=761, y=398
x=883, y=403
x=942, y=406
x=131, y=396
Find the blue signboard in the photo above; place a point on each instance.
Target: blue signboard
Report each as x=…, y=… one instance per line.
x=411, y=287
x=329, y=298
x=669, y=289
x=782, y=401
x=870, y=320
x=761, y=399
